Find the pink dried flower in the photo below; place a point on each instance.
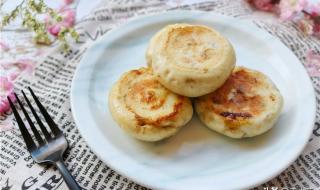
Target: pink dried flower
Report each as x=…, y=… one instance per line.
x=310, y=24
x=54, y=29
x=6, y=89
x=68, y=2
x=306, y=25
x=313, y=64
x=316, y=30
x=264, y=5
x=19, y=66
x=306, y=14
x=4, y=46
x=14, y=69
x=314, y=9
x=68, y=19
x=12, y=76
x=290, y=8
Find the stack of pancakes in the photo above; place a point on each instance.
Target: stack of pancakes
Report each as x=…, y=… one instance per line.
x=193, y=61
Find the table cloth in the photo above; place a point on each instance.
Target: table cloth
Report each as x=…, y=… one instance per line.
x=52, y=76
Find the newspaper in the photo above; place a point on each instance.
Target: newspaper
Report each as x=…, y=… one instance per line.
x=52, y=82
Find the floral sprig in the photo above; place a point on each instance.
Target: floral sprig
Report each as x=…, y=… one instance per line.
x=12, y=70
x=62, y=26
x=6, y=89
x=31, y=10
x=305, y=14
x=48, y=25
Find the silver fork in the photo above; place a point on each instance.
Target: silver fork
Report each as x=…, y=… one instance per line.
x=47, y=150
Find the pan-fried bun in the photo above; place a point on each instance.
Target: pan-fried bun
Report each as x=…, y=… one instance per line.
x=191, y=60
x=248, y=104
x=146, y=109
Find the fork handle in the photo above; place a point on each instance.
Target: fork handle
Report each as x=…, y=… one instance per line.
x=70, y=181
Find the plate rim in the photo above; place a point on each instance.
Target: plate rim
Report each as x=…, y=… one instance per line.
x=90, y=140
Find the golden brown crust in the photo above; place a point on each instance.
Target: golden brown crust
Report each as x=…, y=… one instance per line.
x=182, y=39
x=143, y=93
x=247, y=99
x=142, y=106
x=236, y=93
x=141, y=121
x=190, y=60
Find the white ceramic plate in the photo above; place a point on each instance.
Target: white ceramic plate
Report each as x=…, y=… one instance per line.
x=195, y=158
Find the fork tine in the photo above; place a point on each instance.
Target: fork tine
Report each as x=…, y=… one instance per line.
x=33, y=128
x=24, y=131
x=42, y=127
x=55, y=130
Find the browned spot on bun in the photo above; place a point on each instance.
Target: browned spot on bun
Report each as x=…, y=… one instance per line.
x=150, y=97
x=176, y=109
x=234, y=124
x=246, y=105
x=235, y=115
x=158, y=105
x=207, y=54
x=182, y=38
x=234, y=120
x=146, y=109
x=141, y=121
x=137, y=72
x=235, y=95
x=145, y=93
x=190, y=80
x=272, y=98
